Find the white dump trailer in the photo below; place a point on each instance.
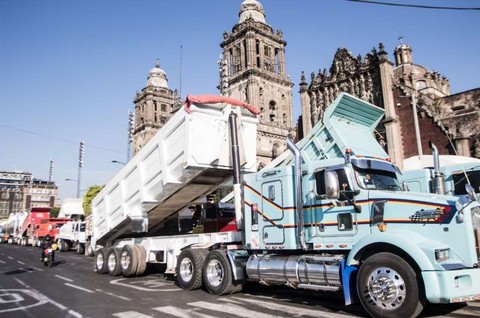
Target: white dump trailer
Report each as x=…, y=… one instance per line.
x=189, y=157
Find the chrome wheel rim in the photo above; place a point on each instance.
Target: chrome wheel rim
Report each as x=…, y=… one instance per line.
x=124, y=260
x=111, y=262
x=99, y=260
x=386, y=288
x=186, y=269
x=215, y=273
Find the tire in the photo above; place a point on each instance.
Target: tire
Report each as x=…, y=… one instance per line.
x=48, y=261
x=141, y=258
x=90, y=250
x=113, y=261
x=80, y=248
x=388, y=286
x=189, y=268
x=101, y=261
x=217, y=274
x=128, y=261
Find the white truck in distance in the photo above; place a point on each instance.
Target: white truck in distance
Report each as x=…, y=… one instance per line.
x=332, y=216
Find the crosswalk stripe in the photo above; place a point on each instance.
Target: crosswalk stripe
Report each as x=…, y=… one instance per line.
x=291, y=310
x=181, y=313
x=130, y=314
x=233, y=310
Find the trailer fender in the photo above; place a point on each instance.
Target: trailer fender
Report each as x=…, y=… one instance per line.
x=419, y=248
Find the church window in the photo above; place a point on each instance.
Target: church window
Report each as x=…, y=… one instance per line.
x=155, y=105
x=277, y=62
x=230, y=61
x=267, y=50
x=245, y=52
x=163, y=120
x=164, y=108
x=141, y=120
x=257, y=49
x=272, y=117
x=238, y=55
x=272, y=105
x=155, y=117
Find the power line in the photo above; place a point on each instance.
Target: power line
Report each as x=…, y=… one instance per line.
x=414, y=5
x=58, y=139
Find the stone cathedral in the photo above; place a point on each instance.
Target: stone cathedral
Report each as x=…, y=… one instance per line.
x=253, y=70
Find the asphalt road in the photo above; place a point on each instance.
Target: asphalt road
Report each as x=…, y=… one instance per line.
x=70, y=288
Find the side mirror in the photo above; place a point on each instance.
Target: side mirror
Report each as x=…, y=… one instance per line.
x=331, y=185
x=471, y=192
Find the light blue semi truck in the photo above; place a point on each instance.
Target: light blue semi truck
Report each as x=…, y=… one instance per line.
x=331, y=216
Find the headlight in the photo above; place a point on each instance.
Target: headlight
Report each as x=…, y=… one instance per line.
x=441, y=255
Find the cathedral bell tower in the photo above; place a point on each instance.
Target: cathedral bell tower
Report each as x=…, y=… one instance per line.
x=154, y=106
x=253, y=70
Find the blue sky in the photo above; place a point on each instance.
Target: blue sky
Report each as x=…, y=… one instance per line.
x=69, y=70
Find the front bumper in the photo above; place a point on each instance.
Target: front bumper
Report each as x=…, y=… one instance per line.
x=452, y=286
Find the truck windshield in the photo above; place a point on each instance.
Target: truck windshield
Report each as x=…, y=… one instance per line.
x=460, y=180
x=377, y=179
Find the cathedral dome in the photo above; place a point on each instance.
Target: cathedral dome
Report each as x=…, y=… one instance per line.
x=157, y=77
x=251, y=9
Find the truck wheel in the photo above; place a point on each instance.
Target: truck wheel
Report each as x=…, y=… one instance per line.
x=189, y=268
x=80, y=248
x=142, y=259
x=113, y=261
x=217, y=274
x=101, y=261
x=128, y=261
x=90, y=250
x=389, y=287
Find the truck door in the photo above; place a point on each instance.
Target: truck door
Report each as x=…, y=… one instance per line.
x=332, y=220
x=273, y=213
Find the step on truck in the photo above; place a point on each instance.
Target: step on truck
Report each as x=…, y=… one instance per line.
x=331, y=216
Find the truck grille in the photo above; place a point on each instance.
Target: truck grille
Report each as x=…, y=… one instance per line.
x=476, y=229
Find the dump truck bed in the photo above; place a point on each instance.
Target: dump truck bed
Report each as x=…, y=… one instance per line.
x=188, y=158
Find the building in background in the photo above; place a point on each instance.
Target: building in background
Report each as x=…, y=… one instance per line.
x=252, y=69
x=19, y=192
x=397, y=87
x=154, y=106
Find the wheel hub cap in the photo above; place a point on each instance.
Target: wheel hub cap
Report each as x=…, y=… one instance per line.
x=386, y=288
x=186, y=269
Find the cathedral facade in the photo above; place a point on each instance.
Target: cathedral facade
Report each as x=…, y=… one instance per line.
x=415, y=100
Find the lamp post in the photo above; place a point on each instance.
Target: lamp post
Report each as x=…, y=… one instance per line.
x=78, y=186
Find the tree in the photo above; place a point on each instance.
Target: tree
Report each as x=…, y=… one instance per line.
x=89, y=196
x=54, y=212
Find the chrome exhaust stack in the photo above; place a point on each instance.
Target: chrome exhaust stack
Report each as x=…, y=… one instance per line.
x=438, y=182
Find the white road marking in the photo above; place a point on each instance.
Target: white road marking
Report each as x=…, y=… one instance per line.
x=9, y=257
x=37, y=269
x=181, y=313
x=112, y=294
x=147, y=283
x=233, y=310
x=131, y=314
x=285, y=308
x=3, y=262
x=64, y=278
x=80, y=288
x=44, y=299
x=20, y=262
